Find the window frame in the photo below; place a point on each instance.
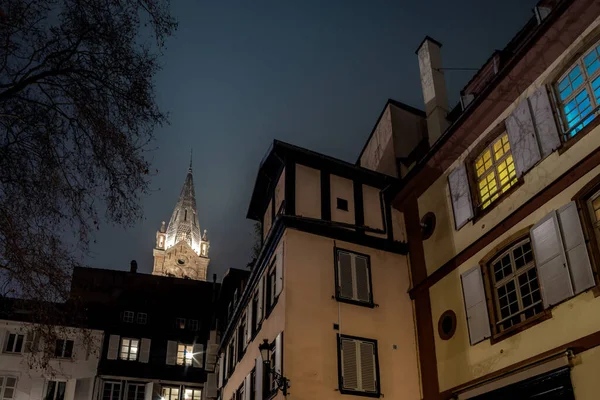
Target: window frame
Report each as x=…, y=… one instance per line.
x=193, y=389
x=370, y=303
x=15, y=342
x=474, y=154
x=592, y=236
x=137, y=353
x=141, y=318
x=64, y=348
x=128, y=317
x=341, y=388
x=170, y=389
x=241, y=332
x=137, y=385
x=113, y=385
x=180, y=323
x=4, y=386
x=193, y=325
x=576, y=60
x=488, y=284
x=185, y=361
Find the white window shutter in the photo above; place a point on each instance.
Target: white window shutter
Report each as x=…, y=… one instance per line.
x=361, y=272
x=279, y=270
x=576, y=253
x=37, y=389
x=211, y=356
x=261, y=300
x=210, y=388
x=345, y=281
x=221, y=369
x=460, y=195
x=521, y=135
x=171, y=352
x=247, y=387
x=198, y=356
x=70, y=389
x=349, y=358
x=145, y=350
x=475, y=305
x=368, y=371
x=249, y=327
x=226, y=362
x=550, y=260
x=148, y=391
x=258, y=384
x=543, y=118
x=279, y=353
x=113, y=347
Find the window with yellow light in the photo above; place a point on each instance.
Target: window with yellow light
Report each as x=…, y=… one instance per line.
x=494, y=170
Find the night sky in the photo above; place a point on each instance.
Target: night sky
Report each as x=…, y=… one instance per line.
x=238, y=74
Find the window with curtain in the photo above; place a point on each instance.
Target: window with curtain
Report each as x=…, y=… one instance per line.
x=578, y=92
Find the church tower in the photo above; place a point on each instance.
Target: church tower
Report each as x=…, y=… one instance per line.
x=180, y=249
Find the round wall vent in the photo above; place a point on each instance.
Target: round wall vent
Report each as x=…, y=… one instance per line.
x=427, y=225
x=447, y=325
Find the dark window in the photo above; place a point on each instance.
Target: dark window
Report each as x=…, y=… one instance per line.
x=270, y=286
x=241, y=338
x=8, y=385
x=111, y=391
x=128, y=316
x=63, y=349
x=342, y=204
x=185, y=216
x=254, y=314
x=358, y=365
x=142, y=318
x=55, y=390
x=193, y=324
x=272, y=382
x=353, y=277
x=14, y=344
x=136, y=391
x=253, y=385
x=231, y=357
x=240, y=392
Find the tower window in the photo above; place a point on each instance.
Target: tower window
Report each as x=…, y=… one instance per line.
x=185, y=216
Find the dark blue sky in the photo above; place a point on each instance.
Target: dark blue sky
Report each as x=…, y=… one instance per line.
x=317, y=73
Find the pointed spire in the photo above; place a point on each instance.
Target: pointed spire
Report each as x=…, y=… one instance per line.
x=191, y=154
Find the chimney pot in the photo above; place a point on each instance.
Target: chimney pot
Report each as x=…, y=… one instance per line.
x=133, y=268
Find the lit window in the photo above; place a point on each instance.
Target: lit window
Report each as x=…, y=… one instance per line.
x=136, y=391
x=495, y=171
x=128, y=316
x=180, y=323
x=170, y=393
x=517, y=293
x=142, y=318
x=193, y=324
x=55, y=390
x=129, y=349
x=192, y=394
x=63, y=348
x=14, y=343
x=185, y=354
x=8, y=386
x=111, y=391
x=578, y=92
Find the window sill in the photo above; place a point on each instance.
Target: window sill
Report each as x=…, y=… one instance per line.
x=480, y=213
x=586, y=129
x=369, y=304
x=362, y=394
x=513, y=330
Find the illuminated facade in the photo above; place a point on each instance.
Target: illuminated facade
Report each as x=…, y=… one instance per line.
x=181, y=251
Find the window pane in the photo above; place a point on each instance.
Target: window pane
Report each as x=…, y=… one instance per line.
x=60, y=394
x=68, y=348
x=591, y=61
x=50, y=390
x=19, y=344
x=11, y=342
x=58, y=349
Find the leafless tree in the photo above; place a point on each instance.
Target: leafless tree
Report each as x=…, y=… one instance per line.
x=77, y=112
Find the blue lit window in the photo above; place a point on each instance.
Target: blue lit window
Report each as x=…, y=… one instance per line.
x=578, y=93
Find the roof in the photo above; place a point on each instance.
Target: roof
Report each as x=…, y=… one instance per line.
x=183, y=224
x=281, y=153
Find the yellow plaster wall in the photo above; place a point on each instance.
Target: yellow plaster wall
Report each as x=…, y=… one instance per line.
x=459, y=362
x=446, y=241
x=308, y=192
x=310, y=342
x=344, y=189
x=584, y=375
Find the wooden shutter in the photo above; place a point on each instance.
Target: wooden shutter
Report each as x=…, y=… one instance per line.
x=361, y=272
x=349, y=358
x=145, y=350
x=368, y=372
x=279, y=270
x=210, y=388
x=249, y=327
x=113, y=347
x=543, y=119
x=83, y=388
x=345, y=284
x=460, y=195
x=258, y=384
x=171, y=352
x=247, y=387
x=576, y=253
x=221, y=369
x=37, y=389
x=475, y=305
x=279, y=354
x=522, y=138
x=198, y=357
x=550, y=260
x=211, y=356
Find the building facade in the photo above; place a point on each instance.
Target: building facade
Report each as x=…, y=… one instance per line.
x=157, y=332
x=327, y=296
x=502, y=216
x=181, y=250
x=68, y=373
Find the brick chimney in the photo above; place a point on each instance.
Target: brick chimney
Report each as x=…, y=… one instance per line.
x=434, y=88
